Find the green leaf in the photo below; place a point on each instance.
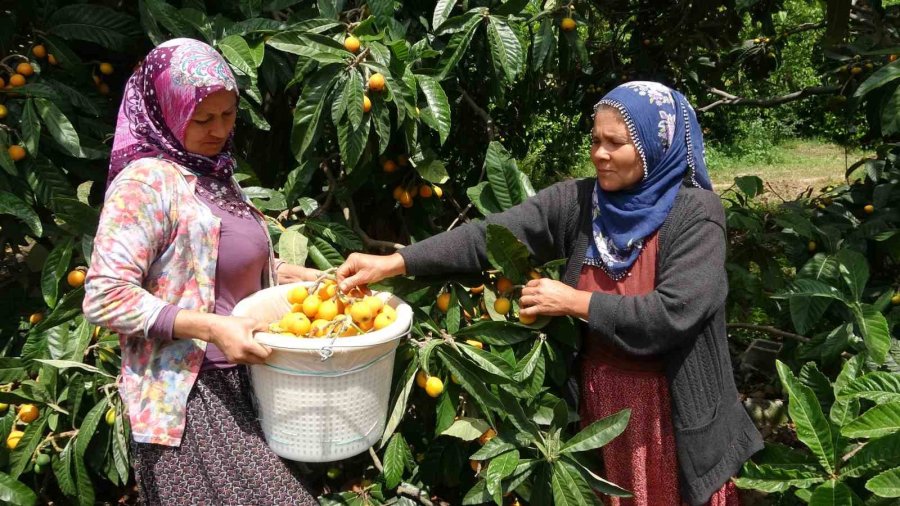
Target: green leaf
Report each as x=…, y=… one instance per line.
x=831, y=493
x=890, y=115
x=323, y=254
x=594, y=480
x=88, y=428
x=507, y=253
x=21, y=456
x=813, y=429
x=495, y=333
x=878, y=386
x=80, y=217
x=307, y=115
x=492, y=448
x=881, y=420
x=47, y=181
x=101, y=25
x=311, y=45
x=886, y=484
x=68, y=308
x=352, y=141
x=394, y=460
x=467, y=429
x=238, y=53
x=64, y=55
x=489, y=363
x=68, y=364
x=471, y=383
x=526, y=366
x=62, y=470
x=402, y=387
x=292, y=247
x=875, y=331
x=544, y=40
x=433, y=171
x=844, y=409
x=483, y=197
x=55, y=266
x=5, y=161
x=598, y=433
x=458, y=44
x=336, y=232
x=441, y=13
x=506, y=51
x=499, y=468
x=878, y=453
x=15, y=493
x=12, y=369
x=10, y=204
x=777, y=477
x=59, y=127
x=569, y=486
x=809, y=299
x=503, y=176
x=381, y=118
x=83, y=480
x=353, y=99
x=438, y=104
x=854, y=270
x=879, y=78
x=31, y=127
x=154, y=11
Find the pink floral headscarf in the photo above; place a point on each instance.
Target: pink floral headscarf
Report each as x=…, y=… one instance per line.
x=158, y=103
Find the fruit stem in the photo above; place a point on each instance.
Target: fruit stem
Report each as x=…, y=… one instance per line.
x=376, y=460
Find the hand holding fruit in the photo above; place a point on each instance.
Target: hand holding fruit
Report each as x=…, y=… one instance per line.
x=553, y=298
x=290, y=273
x=361, y=269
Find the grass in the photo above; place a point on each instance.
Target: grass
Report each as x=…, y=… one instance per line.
x=789, y=167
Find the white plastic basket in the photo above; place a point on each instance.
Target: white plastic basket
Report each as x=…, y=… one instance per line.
x=322, y=399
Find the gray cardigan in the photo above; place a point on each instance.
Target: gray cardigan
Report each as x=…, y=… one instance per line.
x=682, y=319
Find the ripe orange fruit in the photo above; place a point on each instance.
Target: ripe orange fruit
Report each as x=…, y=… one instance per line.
x=443, y=302
x=351, y=44
x=502, y=305
x=25, y=69
x=327, y=290
x=51, y=59
x=383, y=320
x=389, y=166
x=421, y=378
x=367, y=104
x=297, y=295
x=35, y=318
x=567, y=24
x=2, y=83
x=533, y=274
x=311, y=305
x=28, y=413
x=39, y=51
x=892, y=58
x=397, y=192
x=106, y=69
x=869, y=209
x=16, y=152
x=405, y=199
x=376, y=82
x=327, y=310
x=3, y=111
x=375, y=303
x=103, y=88
x=438, y=192
x=475, y=465
x=487, y=436
x=526, y=319
x=13, y=439
x=295, y=323
x=504, y=285
x=477, y=289
x=75, y=278
x=425, y=191
x=16, y=80
x=475, y=344
x=361, y=313
x=434, y=386
x=319, y=328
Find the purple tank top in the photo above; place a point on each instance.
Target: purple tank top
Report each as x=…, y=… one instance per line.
x=243, y=254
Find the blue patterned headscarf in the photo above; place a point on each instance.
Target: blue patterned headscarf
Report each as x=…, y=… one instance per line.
x=663, y=127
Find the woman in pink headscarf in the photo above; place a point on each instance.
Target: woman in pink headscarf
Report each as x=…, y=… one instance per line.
x=177, y=246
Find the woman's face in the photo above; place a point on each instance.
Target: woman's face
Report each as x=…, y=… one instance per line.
x=209, y=127
x=615, y=157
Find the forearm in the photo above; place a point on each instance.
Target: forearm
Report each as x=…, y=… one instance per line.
x=581, y=305
x=191, y=324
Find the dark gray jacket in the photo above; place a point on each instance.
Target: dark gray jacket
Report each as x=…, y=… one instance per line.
x=682, y=320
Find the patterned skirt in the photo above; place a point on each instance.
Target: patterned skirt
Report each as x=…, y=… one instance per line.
x=223, y=458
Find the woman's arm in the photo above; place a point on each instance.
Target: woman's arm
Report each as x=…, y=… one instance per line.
x=133, y=227
x=290, y=273
x=231, y=334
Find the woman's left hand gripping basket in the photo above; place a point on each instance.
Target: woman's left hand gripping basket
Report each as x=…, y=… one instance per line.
x=323, y=393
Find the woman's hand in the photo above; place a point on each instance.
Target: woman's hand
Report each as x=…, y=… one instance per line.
x=553, y=298
x=290, y=273
x=234, y=336
x=361, y=269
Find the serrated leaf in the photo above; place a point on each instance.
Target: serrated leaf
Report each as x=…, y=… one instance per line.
x=55, y=266
x=506, y=51
x=544, y=40
x=441, y=13
x=21, y=456
x=438, y=104
x=238, y=53
x=495, y=333
x=879, y=386
x=875, y=331
x=881, y=420
x=507, y=253
x=854, y=270
x=402, y=387
x=432, y=170
x=31, y=127
x=499, y=468
x=491, y=365
x=353, y=99
x=394, y=460
x=458, y=44
x=307, y=115
x=10, y=204
x=483, y=197
x=82, y=218
x=598, y=433
x=88, y=428
x=48, y=182
x=526, y=366
x=59, y=127
x=99, y=24
x=831, y=493
x=503, y=176
x=813, y=429
x=570, y=487
x=352, y=141
x=323, y=254
x=886, y=484
x=292, y=247
x=62, y=470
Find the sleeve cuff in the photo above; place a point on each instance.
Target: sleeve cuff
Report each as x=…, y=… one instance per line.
x=163, y=327
x=602, y=313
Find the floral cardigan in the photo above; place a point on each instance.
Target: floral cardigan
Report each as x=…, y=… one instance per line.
x=156, y=244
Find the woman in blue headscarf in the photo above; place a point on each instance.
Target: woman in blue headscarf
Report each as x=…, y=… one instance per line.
x=645, y=247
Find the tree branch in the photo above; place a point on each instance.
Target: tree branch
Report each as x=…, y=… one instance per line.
x=729, y=99
x=488, y=121
x=769, y=330
x=350, y=215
